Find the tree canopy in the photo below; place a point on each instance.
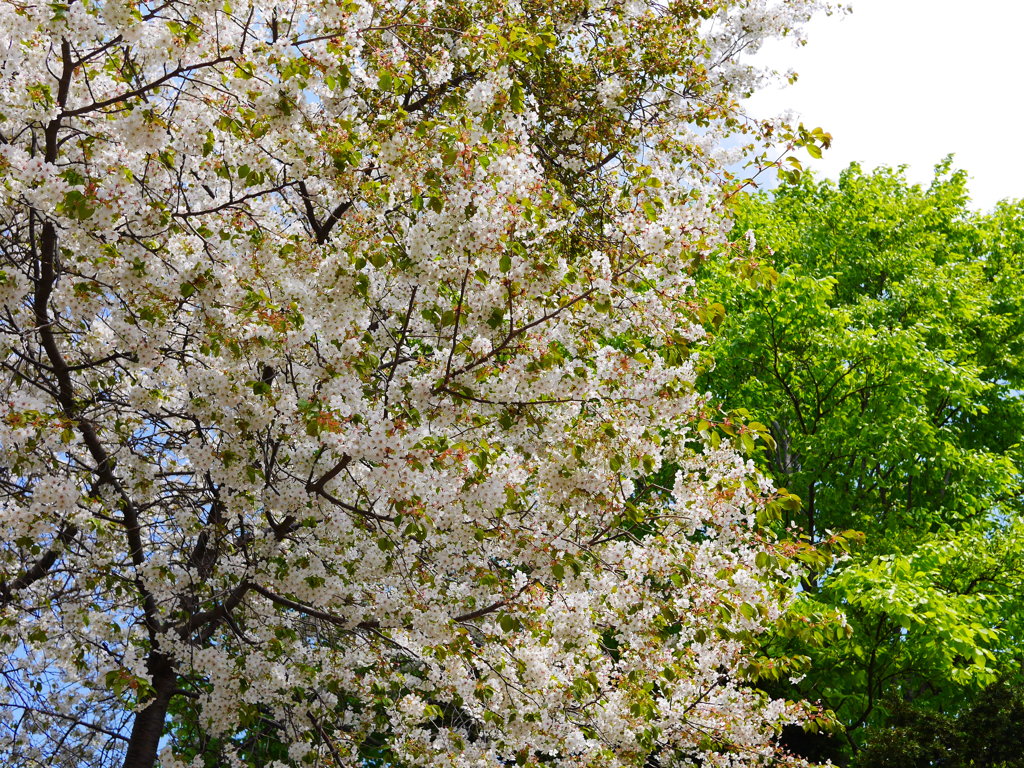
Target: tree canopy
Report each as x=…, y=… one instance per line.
x=878, y=334
x=339, y=342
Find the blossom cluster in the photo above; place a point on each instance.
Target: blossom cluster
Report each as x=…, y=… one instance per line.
x=348, y=391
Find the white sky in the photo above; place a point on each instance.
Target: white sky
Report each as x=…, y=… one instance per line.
x=906, y=82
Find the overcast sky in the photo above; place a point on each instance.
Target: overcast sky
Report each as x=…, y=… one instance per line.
x=906, y=82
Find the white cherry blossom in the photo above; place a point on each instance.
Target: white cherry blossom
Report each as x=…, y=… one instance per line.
x=347, y=406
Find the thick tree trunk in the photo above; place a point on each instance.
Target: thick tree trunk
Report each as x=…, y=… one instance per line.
x=149, y=723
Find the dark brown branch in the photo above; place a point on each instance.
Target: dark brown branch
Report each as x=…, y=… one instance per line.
x=236, y=201
x=333, y=472
x=354, y=509
x=40, y=568
x=176, y=72
x=481, y=612
x=309, y=610
x=331, y=220
x=211, y=618
x=70, y=718
x=432, y=94
x=330, y=618
x=400, y=343
x=321, y=231
x=147, y=726
x=514, y=333
x=455, y=330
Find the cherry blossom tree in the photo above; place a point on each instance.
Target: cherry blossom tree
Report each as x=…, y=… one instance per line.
x=346, y=404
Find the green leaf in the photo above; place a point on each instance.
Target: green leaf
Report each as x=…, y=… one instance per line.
x=517, y=99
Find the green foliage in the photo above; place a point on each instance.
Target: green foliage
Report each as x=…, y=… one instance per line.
x=989, y=733
x=878, y=329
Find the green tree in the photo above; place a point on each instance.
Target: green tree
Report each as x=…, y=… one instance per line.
x=988, y=732
x=877, y=332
